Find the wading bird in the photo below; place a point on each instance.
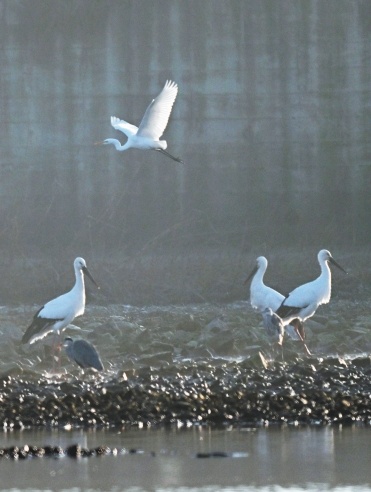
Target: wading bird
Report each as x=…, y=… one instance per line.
x=273, y=325
x=263, y=297
x=58, y=313
x=152, y=126
x=83, y=353
x=303, y=301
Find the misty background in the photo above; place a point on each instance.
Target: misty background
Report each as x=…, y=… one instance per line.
x=272, y=120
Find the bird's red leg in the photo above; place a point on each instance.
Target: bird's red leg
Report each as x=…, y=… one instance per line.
x=299, y=328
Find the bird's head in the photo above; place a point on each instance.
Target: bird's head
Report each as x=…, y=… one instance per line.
x=325, y=255
x=261, y=262
x=67, y=342
x=80, y=265
x=107, y=141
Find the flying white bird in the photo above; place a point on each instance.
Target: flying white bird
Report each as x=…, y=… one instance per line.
x=83, y=353
x=273, y=325
x=152, y=126
x=303, y=301
x=58, y=313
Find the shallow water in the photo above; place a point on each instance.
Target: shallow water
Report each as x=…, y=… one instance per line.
x=209, y=364
x=264, y=459
x=185, y=366
x=129, y=336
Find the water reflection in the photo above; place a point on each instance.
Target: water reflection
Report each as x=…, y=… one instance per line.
x=264, y=459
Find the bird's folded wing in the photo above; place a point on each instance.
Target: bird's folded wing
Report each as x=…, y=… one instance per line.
x=123, y=126
x=285, y=311
x=38, y=326
x=158, y=112
x=85, y=355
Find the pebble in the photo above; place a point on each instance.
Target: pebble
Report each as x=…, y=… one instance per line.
x=213, y=367
x=313, y=391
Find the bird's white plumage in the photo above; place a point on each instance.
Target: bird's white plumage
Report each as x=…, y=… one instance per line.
x=66, y=306
x=58, y=313
x=157, y=114
x=153, y=124
x=123, y=126
x=263, y=297
x=303, y=301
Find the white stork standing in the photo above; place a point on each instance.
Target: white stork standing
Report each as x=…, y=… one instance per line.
x=263, y=297
x=58, y=313
x=303, y=301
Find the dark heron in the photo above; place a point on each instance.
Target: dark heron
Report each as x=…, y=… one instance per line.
x=83, y=353
x=273, y=325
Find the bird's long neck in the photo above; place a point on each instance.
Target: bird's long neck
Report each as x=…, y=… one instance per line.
x=325, y=277
x=325, y=270
x=118, y=145
x=79, y=287
x=258, y=277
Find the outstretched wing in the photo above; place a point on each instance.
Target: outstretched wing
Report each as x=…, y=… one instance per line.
x=157, y=115
x=123, y=126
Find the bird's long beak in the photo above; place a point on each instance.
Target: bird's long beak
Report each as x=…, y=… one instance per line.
x=87, y=273
x=333, y=262
x=255, y=269
x=98, y=143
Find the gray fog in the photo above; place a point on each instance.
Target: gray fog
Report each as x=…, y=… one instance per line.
x=272, y=120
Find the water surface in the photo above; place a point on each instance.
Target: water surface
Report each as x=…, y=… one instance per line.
x=185, y=366
x=263, y=459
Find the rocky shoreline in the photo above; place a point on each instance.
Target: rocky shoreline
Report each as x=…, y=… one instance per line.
x=311, y=392
x=191, y=365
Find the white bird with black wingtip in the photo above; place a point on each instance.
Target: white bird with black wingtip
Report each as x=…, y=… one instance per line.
x=262, y=296
x=58, y=313
x=152, y=126
x=303, y=301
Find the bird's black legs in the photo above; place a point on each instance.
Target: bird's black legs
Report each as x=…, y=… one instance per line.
x=176, y=159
